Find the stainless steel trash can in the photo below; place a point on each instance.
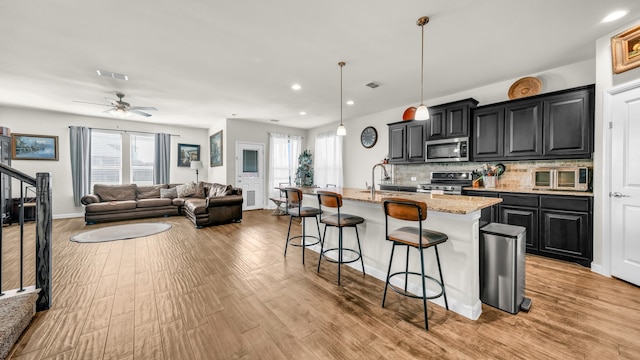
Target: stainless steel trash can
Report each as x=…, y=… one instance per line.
x=502, y=277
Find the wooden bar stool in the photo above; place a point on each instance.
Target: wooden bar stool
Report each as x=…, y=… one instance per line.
x=339, y=220
x=412, y=237
x=296, y=210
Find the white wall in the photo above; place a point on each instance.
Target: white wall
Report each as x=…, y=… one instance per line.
x=50, y=123
x=605, y=80
x=253, y=132
x=217, y=174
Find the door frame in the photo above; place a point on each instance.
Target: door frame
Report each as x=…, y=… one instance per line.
x=261, y=166
x=605, y=176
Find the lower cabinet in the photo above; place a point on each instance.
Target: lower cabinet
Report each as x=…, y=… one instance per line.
x=525, y=217
x=558, y=226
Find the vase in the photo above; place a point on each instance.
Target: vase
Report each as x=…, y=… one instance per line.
x=489, y=181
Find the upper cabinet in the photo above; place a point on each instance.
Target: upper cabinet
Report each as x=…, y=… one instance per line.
x=568, y=123
x=449, y=120
x=406, y=142
x=550, y=126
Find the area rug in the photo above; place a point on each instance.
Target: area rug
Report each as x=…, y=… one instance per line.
x=120, y=232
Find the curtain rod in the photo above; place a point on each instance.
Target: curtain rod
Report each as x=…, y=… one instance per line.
x=132, y=131
x=288, y=135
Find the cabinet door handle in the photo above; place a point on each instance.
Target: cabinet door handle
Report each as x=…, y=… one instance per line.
x=617, y=195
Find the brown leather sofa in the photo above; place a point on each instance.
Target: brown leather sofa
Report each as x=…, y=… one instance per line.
x=204, y=204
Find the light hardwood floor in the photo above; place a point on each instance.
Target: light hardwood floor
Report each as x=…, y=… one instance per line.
x=227, y=292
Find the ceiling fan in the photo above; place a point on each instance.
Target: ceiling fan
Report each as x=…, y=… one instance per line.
x=122, y=108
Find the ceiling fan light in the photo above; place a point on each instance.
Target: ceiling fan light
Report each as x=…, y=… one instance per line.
x=422, y=113
x=121, y=113
x=342, y=131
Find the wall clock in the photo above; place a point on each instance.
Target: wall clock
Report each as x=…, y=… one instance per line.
x=369, y=137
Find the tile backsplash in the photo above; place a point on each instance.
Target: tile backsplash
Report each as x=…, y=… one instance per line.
x=517, y=173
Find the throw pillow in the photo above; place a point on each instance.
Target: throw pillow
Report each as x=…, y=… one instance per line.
x=187, y=189
x=168, y=193
x=200, y=190
x=150, y=192
x=220, y=190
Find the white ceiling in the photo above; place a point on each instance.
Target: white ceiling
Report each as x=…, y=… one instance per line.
x=203, y=61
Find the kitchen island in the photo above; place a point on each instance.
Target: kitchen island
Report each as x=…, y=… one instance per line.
x=455, y=215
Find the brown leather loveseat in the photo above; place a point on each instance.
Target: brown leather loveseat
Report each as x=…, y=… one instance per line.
x=203, y=203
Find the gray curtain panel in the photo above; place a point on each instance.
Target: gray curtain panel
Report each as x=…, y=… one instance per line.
x=80, y=141
x=163, y=156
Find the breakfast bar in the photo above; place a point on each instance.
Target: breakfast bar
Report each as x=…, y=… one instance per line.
x=455, y=215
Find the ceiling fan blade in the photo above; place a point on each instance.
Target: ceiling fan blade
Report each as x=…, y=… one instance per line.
x=112, y=102
x=143, y=108
x=84, y=102
x=139, y=112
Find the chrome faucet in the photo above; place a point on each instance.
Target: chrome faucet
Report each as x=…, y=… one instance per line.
x=373, y=181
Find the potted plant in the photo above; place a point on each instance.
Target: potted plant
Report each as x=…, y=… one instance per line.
x=304, y=173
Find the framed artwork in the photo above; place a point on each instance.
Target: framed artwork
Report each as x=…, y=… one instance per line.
x=34, y=147
x=215, y=148
x=625, y=50
x=188, y=153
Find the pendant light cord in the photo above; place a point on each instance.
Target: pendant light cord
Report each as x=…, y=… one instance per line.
x=341, y=63
x=422, y=69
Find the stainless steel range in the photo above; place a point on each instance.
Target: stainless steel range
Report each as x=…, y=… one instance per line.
x=447, y=182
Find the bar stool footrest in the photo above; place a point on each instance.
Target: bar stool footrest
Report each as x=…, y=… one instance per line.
x=343, y=261
x=401, y=291
x=306, y=244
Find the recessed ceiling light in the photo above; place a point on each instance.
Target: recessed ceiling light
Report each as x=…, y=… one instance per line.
x=303, y=113
x=615, y=16
x=350, y=102
x=296, y=87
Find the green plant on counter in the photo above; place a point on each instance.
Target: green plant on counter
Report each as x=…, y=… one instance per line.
x=304, y=173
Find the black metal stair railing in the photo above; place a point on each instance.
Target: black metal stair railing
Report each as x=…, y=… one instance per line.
x=43, y=232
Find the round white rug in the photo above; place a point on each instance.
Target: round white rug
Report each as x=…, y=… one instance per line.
x=120, y=232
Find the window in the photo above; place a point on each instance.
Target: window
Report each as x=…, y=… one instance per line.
x=106, y=158
x=109, y=158
x=328, y=159
x=283, y=160
x=250, y=161
x=142, y=157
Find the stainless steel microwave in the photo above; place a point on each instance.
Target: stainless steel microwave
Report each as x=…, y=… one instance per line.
x=447, y=150
x=565, y=178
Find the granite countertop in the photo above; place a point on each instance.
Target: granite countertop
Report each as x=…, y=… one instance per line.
x=528, y=190
x=453, y=204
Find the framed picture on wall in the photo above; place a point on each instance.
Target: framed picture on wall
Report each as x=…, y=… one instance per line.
x=34, y=147
x=215, y=149
x=625, y=50
x=188, y=153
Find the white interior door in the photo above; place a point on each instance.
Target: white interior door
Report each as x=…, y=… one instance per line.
x=625, y=185
x=250, y=174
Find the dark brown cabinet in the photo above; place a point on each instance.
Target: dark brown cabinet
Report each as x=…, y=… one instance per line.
x=565, y=228
x=523, y=129
x=521, y=210
x=406, y=142
x=558, y=125
x=568, y=124
x=450, y=120
x=488, y=133
x=558, y=226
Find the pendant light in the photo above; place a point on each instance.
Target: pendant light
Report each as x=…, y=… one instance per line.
x=422, y=113
x=342, y=131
